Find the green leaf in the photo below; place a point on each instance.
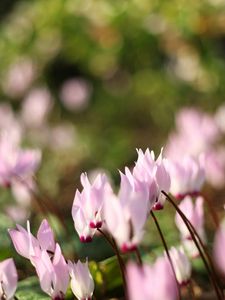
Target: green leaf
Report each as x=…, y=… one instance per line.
x=29, y=289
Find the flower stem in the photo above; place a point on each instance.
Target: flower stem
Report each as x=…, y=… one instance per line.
x=167, y=252
x=119, y=258
x=138, y=255
x=197, y=241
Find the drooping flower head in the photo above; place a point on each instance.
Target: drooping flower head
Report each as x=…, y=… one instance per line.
x=154, y=174
x=82, y=283
x=8, y=279
x=194, y=212
x=87, y=207
x=187, y=176
x=181, y=265
x=151, y=282
x=125, y=215
x=27, y=245
x=53, y=273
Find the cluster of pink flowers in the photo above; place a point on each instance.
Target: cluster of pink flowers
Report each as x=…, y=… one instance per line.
x=123, y=215
x=199, y=134
x=53, y=270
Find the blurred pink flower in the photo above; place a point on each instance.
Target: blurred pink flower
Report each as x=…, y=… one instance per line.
x=195, y=133
x=27, y=245
x=8, y=279
x=190, y=248
x=10, y=124
x=215, y=167
x=40, y=102
x=22, y=191
x=154, y=282
x=154, y=174
x=75, y=94
x=125, y=215
x=187, y=176
x=219, y=246
x=198, y=133
x=62, y=136
x=16, y=213
x=220, y=117
x=53, y=273
x=19, y=77
x=15, y=162
x=181, y=265
x=82, y=283
x=87, y=207
x=194, y=212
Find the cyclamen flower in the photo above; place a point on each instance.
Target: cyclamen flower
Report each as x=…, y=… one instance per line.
x=8, y=279
x=16, y=163
x=87, y=207
x=82, y=283
x=196, y=132
x=53, y=273
x=181, y=265
x=154, y=174
x=27, y=245
x=125, y=215
x=195, y=214
x=151, y=282
x=187, y=176
x=219, y=246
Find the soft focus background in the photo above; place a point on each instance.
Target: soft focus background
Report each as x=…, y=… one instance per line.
x=89, y=81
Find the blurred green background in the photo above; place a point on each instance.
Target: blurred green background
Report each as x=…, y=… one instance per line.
x=143, y=60
x=134, y=64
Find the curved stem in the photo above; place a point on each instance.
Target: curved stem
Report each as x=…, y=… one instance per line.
x=119, y=258
x=195, y=236
x=138, y=255
x=167, y=251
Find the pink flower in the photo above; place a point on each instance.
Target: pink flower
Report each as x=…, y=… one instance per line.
x=75, y=94
x=187, y=176
x=9, y=123
x=53, y=273
x=195, y=214
x=27, y=245
x=8, y=279
x=196, y=132
x=151, y=282
x=88, y=205
x=19, y=77
x=125, y=215
x=219, y=246
x=15, y=162
x=23, y=190
x=215, y=167
x=81, y=225
x=181, y=265
x=39, y=101
x=82, y=283
x=154, y=174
